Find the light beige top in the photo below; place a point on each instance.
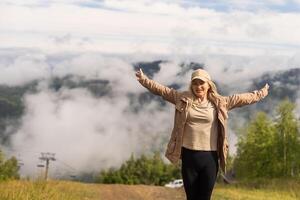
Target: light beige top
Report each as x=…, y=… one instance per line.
x=200, y=131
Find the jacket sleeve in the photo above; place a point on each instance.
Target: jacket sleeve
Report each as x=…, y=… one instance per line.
x=169, y=94
x=239, y=100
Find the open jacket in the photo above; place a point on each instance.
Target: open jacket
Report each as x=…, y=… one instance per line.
x=183, y=102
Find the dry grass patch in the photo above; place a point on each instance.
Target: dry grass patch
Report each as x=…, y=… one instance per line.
x=66, y=190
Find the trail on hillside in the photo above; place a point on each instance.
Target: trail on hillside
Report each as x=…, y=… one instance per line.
x=138, y=192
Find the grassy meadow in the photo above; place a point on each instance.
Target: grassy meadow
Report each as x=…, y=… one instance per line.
x=66, y=190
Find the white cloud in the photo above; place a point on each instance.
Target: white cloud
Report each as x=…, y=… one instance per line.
x=23, y=68
x=152, y=28
x=86, y=131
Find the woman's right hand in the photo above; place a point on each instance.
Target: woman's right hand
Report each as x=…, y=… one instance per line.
x=265, y=89
x=140, y=75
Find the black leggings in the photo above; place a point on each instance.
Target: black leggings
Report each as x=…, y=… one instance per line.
x=199, y=172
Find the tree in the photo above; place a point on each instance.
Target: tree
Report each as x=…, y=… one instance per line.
x=270, y=148
x=256, y=148
x=287, y=139
x=8, y=169
x=144, y=170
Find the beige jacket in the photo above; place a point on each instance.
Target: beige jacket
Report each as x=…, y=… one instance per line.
x=183, y=101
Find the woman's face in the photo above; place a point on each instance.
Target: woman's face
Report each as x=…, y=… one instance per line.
x=200, y=87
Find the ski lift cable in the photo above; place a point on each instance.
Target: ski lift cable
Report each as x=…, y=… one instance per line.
x=67, y=165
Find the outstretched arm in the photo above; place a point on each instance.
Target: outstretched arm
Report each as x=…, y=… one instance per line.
x=238, y=100
x=167, y=93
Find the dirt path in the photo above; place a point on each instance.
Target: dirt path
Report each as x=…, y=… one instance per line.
x=140, y=192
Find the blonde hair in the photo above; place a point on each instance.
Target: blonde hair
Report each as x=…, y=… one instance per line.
x=212, y=93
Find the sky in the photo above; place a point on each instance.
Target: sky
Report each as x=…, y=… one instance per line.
x=98, y=39
x=160, y=27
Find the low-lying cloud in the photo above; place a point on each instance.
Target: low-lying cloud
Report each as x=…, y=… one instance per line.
x=88, y=132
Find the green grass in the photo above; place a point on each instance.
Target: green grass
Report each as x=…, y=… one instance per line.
x=41, y=190
x=280, y=189
x=275, y=189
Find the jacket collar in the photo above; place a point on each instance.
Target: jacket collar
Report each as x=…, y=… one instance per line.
x=187, y=96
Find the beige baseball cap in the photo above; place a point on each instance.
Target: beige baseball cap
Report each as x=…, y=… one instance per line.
x=200, y=74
